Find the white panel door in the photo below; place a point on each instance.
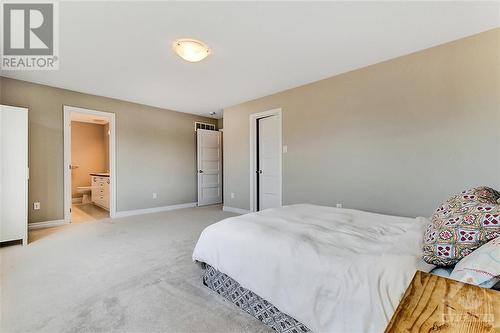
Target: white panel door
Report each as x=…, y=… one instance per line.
x=13, y=173
x=209, y=167
x=269, y=173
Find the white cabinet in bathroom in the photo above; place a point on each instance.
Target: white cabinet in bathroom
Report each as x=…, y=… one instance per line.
x=100, y=191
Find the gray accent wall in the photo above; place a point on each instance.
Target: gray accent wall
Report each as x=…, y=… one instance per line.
x=155, y=148
x=396, y=137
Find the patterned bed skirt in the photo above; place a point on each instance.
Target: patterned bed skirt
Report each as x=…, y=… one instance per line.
x=250, y=302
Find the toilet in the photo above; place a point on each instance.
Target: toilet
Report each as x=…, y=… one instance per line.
x=86, y=191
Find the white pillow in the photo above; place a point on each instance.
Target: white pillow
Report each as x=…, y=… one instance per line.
x=481, y=267
x=442, y=271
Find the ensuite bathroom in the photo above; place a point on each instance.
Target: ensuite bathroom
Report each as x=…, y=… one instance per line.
x=90, y=178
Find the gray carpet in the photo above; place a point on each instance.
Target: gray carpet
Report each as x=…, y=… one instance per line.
x=132, y=274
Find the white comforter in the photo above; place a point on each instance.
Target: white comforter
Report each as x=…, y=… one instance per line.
x=334, y=270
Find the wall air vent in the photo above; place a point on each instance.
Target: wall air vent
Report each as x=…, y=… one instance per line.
x=205, y=126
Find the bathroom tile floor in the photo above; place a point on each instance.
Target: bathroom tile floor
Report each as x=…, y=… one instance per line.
x=87, y=212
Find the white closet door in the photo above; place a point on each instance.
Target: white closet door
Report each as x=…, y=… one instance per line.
x=13, y=173
x=269, y=163
x=209, y=167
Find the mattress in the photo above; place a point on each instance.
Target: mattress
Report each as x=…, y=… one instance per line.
x=333, y=270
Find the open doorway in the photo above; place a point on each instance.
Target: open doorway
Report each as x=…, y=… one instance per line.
x=265, y=160
x=89, y=161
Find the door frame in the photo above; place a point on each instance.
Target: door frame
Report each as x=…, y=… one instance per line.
x=254, y=117
x=67, y=158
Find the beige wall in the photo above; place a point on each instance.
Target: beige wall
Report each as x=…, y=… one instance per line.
x=155, y=148
x=106, y=145
x=88, y=153
x=397, y=137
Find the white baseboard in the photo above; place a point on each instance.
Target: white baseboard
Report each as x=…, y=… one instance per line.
x=46, y=224
x=153, y=210
x=235, y=210
x=56, y=223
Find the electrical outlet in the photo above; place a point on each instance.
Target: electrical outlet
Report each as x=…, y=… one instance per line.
x=232, y=195
x=339, y=205
x=155, y=195
x=36, y=205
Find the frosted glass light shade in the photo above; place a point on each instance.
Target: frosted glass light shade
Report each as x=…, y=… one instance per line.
x=191, y=50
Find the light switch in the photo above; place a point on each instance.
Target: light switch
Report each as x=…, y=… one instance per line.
x=285, y=149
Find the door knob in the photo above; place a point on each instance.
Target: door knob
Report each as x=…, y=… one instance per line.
x=200, y=171
x=260, y=171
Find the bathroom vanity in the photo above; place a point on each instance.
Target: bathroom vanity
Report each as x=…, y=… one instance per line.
x=100, y=189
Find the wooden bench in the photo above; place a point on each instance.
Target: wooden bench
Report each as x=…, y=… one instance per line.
x=436, y=304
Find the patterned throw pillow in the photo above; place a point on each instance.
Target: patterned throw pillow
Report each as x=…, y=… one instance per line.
x=462, y=224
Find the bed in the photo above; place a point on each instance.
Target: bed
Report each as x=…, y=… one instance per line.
x=313, y=268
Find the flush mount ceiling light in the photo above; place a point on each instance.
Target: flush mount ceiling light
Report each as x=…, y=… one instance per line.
x=191, y=50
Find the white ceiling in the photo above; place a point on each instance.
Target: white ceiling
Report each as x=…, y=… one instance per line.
x=123, y=49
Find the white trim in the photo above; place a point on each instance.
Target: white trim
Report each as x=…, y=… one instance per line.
x=154, y=210
x=46, y=224
x=235, y=210
x=253, y=152
x=56, y=223
x=67, y=158
x=26, y=184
